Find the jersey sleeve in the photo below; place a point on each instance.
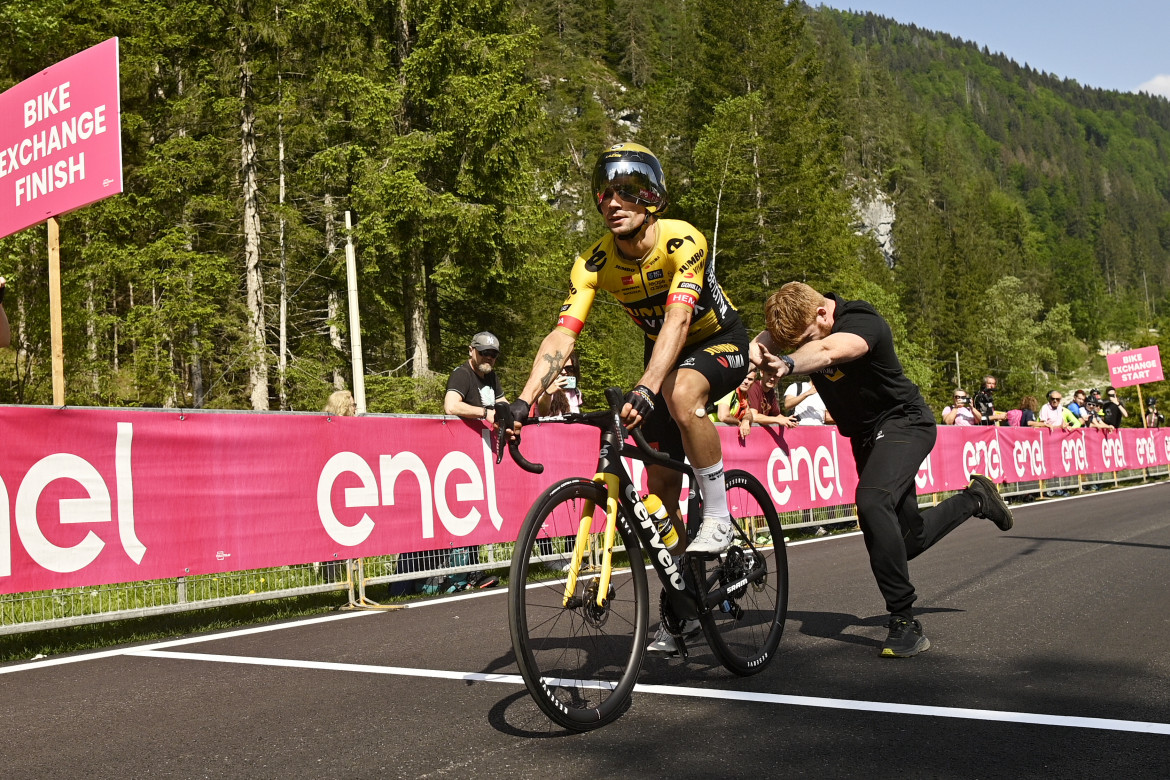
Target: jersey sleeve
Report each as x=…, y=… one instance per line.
x=582, y=291
x=687, y=284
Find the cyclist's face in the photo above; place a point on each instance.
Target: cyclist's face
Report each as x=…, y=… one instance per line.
x=622, y=214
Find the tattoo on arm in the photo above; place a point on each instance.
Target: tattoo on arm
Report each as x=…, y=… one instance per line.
x=555, y=361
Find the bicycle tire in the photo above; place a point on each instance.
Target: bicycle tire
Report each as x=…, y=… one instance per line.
x=579, y=662
x=745, y=630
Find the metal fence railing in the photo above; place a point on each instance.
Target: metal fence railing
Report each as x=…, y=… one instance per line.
x=353, y=580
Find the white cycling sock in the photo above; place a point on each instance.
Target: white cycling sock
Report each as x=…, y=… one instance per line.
x=714, y=491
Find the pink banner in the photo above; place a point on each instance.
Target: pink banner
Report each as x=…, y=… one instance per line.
x=1135, y=367
x=95, y=496
x=60, y=139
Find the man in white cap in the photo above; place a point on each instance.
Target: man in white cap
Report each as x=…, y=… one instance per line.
x=473, y=387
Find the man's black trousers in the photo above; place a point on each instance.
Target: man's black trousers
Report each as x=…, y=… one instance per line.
x=887, y=505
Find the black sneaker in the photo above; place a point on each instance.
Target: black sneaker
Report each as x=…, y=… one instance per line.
x=906, y=639
x=991, y=503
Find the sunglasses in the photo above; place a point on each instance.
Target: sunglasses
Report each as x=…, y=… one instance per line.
x=491, y=354
x=626, y=192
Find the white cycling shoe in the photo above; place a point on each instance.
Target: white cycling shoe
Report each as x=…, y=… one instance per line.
x=664, y=643
x=713, y=538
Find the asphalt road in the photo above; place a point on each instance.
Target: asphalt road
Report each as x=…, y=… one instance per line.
x=1049, y=659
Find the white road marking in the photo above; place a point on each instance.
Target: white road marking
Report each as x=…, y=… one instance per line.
x=1003, y=716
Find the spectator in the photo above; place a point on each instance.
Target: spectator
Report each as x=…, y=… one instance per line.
x=563, y=396
x=960, y=412
x=1114, y=411
x=766, y=409
x=807, y=408
x=1077, y=406
x=1093, y=417
x=5, y=333
x=985, y=402
x=1154, y=418
x=341, y=404
x=1053, y=415
x=735, y=409
x=1025, y=415
x=473, y=388
x=803, y=400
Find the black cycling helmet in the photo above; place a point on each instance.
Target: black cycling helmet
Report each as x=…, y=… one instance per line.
x=634, y=172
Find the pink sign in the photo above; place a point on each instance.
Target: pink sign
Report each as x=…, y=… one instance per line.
x=60, y=139
x=97, y=496
x=1135, y=367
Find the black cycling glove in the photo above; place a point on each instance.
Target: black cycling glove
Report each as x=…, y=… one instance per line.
x=519, y=409
x=642, y=399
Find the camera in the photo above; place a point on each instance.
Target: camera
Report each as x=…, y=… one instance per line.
x=570, y=382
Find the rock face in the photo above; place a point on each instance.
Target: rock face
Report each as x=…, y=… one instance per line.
x=876, y=218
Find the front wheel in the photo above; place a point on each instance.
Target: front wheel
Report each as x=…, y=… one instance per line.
x=579, y=659
x=745, y=626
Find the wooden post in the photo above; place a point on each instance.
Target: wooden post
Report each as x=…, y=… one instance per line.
x=1142, y=408
x=355, y=327
x=57, y=339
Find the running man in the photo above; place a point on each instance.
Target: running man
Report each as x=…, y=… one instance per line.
x=847, y=349
x=696, y=346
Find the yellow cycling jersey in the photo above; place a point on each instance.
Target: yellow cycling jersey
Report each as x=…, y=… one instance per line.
x=677, y=271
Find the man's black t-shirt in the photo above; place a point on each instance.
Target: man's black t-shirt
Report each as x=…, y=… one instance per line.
x=473, y=389
x=862, y=393
x=1112, y=414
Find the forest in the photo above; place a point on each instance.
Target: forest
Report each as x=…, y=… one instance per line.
x=1031, y=215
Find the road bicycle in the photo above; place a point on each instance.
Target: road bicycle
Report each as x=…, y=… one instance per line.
x=579, y=605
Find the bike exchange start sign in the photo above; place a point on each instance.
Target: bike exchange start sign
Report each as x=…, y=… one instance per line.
x=60, y=139
x=1135, y=367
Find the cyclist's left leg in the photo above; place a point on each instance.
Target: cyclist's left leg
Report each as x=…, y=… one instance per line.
x=686, y=391
x=707, y=370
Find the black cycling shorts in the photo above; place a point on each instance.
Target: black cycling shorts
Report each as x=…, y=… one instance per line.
x=722, y=359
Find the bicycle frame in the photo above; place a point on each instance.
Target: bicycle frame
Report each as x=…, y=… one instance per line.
x=622, y=496
x=622, y=492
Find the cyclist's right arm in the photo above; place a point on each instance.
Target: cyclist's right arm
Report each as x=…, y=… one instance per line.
x=559, y=343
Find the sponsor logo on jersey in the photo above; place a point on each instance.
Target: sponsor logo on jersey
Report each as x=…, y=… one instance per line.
x=688, y=362
x=640, y=312
x=696, y=258
x=597, y=261
x=627, y=280
x=730, y=361
x=655, y=274
x=675, y=243
x=721, y=349
x=564, y=308
x=681, y=296
x=698, y=288
x=572, y=323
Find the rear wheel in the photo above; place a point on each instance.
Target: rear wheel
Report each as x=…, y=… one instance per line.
x=745, y=627
x=579, y=660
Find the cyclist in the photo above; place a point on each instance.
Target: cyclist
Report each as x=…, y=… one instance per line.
x=847, y=349
x=696, y=346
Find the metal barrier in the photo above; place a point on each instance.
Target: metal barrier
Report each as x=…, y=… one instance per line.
x=22, y=612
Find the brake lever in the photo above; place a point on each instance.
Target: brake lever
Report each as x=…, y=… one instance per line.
x=505, y=422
